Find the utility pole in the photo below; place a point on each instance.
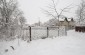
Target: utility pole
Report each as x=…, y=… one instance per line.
x=39, y=22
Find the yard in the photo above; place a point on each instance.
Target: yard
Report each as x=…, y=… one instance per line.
x=72, y=44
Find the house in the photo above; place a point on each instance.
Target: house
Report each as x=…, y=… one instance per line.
x=63, y=21
x=80, y=26
x=68, y=22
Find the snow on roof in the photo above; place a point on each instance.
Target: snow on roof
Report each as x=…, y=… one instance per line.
x=62, y=19
x=69, y=19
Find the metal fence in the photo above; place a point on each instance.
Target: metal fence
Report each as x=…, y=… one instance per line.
x=33, y=33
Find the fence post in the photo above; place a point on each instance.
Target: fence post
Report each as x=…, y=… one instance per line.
x=30, y=32
x=47, y=32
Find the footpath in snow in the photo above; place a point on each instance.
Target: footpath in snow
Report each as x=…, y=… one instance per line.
x=72, y=44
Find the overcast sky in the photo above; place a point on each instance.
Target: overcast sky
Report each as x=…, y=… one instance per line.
x=32, y=9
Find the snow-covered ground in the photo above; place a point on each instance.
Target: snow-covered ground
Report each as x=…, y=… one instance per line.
x=72, y=44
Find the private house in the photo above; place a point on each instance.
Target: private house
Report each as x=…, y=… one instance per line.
x=68, y=22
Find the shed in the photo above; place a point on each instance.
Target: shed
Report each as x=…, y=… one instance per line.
x=80, y=27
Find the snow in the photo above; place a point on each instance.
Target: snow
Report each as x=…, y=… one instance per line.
x=72, y=44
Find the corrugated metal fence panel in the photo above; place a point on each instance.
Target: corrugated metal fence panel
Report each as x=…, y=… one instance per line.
x=52, y=31
x=38, y=32
x=62, y=31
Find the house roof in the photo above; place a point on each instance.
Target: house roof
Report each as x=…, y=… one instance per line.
x=61, y=19
x=68, y=19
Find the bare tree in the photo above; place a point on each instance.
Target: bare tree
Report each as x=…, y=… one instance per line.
x=6, y=10
x=80, y=12
x=51, y=22
x=9, y=16
x=53, y=12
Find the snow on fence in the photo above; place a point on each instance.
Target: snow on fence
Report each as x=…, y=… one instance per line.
x=44, y=32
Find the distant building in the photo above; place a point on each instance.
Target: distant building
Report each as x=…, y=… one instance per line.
x=68, y=22
x=80, y=26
